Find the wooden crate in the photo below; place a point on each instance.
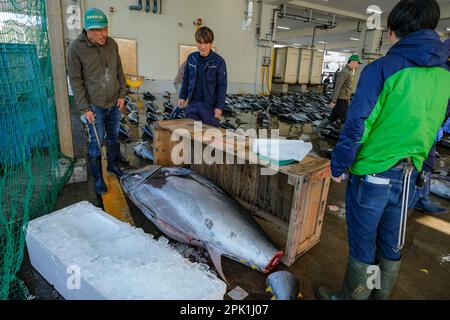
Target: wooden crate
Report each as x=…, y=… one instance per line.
x=288, y=205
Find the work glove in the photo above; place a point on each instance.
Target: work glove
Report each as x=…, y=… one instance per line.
x=440, y=134
x=446, y=126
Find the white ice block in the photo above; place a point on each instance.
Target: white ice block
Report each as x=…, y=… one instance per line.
x=114, y=259
x=282, y=150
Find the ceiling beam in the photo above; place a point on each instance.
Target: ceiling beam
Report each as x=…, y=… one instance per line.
x=338, y=45
x=304, y=32
x=277, y=2
x=325, y=8
x=445, y=9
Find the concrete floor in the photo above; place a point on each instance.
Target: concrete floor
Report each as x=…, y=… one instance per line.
x=425, y=272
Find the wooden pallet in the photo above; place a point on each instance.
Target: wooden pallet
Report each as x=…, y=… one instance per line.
x=289, y=205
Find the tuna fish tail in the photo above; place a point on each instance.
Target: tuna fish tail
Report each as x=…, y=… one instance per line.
x=216, y=257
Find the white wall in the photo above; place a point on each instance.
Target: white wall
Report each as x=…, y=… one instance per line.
x=158, y=37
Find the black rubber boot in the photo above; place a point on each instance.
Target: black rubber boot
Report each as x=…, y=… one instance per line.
x=389, y=274
x=96, y=170
x=113, y=157
x=425, y=204
x=354, y=286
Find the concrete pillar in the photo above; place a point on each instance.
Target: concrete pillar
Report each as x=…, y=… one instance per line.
x=67, y=122
x=55, y=33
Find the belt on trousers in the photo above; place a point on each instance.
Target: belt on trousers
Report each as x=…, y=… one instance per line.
x=401, y=164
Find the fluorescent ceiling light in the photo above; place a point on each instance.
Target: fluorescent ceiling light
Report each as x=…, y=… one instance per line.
x=320, y=41
x=297, y=44
x=279, y=46
x=354, y=39
x=284, y=28
x=448, y=29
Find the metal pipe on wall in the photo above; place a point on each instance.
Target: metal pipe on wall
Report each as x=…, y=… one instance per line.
x=308, y=20
x=249, y=16
x=283, y=14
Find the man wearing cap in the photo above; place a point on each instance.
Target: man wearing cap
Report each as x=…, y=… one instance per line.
x=98, y=83
x=343, y=90
x=392, y=122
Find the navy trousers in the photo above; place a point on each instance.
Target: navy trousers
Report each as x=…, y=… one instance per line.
x=200, y=111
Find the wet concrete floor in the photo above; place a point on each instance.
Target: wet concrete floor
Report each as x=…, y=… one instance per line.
x=425, y=271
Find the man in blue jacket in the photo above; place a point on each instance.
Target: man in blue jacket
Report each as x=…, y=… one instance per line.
x=204, y=85
x=391, y=125
x=425, y=204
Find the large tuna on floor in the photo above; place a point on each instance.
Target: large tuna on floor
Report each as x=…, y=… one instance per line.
x=440, y=188
x=189, y=208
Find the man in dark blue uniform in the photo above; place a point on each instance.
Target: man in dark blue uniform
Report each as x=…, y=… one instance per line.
x=205, y=81
x=425, y=204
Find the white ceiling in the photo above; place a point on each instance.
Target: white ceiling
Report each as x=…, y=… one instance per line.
x=347, y=10
x=358, y=6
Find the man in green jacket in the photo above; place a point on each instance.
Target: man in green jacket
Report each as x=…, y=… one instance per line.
x=392, y=122
x=98, y=83
x=343, y=90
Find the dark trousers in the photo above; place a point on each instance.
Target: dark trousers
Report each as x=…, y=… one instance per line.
x=339, y=111
x=200, y=111
x=430, y=162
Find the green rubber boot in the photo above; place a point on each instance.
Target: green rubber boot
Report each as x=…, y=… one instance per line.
x=389, y=274
x=354, y=286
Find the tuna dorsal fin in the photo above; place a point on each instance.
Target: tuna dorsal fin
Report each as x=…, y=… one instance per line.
x=216, y=259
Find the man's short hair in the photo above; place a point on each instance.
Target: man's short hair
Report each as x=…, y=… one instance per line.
x=409, y=16
x=204, y=35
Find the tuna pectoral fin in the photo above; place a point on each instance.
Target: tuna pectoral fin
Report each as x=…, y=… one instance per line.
x=216, y=259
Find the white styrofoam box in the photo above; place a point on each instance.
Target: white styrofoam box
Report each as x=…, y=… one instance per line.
x=87, y=254
x=281, y=150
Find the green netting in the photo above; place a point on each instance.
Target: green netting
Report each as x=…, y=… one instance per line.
x=32, y=170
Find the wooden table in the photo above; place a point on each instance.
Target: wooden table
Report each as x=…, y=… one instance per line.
x=289, y=205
